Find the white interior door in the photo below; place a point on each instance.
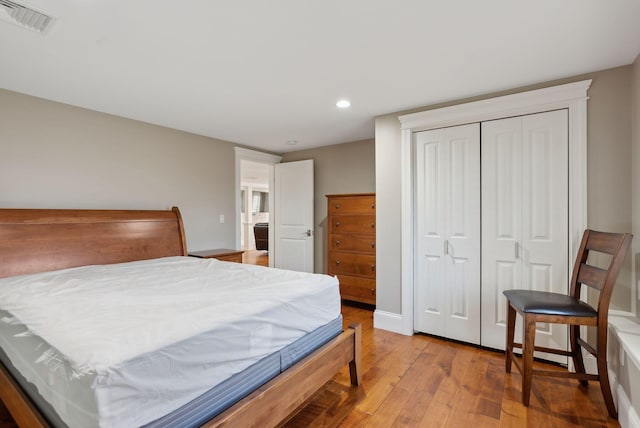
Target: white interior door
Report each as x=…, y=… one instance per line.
x=448, y=232
x=525, y=215
x=293, y=216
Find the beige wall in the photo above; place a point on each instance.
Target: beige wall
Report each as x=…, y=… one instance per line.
x=609, y=176
x=53, y=155
x=635, y=160
x=341, y=168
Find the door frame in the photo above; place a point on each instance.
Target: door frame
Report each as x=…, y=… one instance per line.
x=572, y=96
x=261, y=157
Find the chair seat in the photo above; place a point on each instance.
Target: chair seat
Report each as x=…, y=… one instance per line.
x=540, y=302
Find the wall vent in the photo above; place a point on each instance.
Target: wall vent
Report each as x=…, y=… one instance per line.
x=24, y=16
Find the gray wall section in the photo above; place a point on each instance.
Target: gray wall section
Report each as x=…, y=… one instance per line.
x=609, y=176
x=53, y=155
x=635, y=184
x=341, y=168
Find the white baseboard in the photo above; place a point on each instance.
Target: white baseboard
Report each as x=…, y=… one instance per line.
x=389, y=321
x=627, y=415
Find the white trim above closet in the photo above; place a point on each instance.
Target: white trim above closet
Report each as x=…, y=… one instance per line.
x=572, y=96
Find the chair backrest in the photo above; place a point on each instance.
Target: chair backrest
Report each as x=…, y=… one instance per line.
x=613, y=244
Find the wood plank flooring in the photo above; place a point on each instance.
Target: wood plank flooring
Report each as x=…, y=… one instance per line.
x=256, y=257
x=422, y=381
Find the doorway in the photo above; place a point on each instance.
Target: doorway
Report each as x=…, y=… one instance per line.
x=254, y=206
x=254, y=202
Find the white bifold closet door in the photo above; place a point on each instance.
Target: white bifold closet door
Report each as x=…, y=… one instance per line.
x=447, y=276
x=524, y=219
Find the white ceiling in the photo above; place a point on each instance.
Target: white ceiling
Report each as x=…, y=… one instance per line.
x=260, y=73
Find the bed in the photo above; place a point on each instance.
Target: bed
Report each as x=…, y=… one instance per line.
x=40, y=241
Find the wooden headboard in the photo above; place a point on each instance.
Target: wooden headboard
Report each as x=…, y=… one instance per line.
x=38, y=240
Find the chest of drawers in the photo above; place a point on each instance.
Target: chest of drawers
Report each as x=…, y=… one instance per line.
x=351, y=245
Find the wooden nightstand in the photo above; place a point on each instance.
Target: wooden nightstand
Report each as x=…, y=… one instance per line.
x=223, y=254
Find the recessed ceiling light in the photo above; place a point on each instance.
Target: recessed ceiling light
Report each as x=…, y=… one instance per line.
x=343, y=104
x=292, y=142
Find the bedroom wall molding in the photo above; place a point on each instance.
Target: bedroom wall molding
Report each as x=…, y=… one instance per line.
x=254, y=156
x=572, y=96
x=388, y=321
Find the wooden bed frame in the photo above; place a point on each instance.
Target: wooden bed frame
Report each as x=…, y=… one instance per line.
x=37, y=240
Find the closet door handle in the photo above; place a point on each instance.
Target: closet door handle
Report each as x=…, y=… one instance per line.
x=516, y=250
x=446, y=247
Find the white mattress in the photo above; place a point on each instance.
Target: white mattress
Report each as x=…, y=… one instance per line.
x=121, y=345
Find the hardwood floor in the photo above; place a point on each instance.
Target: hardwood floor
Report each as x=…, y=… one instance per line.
x=256, y=257
x=421, y=381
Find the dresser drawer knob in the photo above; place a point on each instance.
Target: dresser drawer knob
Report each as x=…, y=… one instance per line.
x=373, y=245
x=373, y=225
x=337, y=224
x=338, y=242
x=337, y=206
x=337, y=262
x=373, y=267
x=373, y=206
x=373, y=291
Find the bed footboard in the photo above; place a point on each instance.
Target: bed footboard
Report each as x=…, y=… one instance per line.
x=22, y=409
x=277, y=399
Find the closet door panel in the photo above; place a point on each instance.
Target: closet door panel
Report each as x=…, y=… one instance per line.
x=430, y=232
x=545, y=213
x=462, y=212
x=524, y=218
x=501, y=223
x=448, y=232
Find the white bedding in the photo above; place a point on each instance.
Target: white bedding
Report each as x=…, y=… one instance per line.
x=131, y=342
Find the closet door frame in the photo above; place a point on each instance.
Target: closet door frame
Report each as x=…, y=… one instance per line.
x=572, y=96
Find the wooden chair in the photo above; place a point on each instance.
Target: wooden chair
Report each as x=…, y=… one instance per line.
x=538, y=306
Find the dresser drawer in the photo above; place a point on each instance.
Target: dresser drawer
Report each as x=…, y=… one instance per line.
x=353, y=224
x=357, y=204
x=358, y=289
x=357, y=243
x=352, y=264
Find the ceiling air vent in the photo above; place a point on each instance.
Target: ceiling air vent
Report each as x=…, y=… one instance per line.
x=24, y=16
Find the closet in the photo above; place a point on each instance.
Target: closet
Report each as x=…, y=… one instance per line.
x=491, y=209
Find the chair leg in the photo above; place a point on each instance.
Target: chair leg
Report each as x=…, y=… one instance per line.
x=576, y=351
x=528, y=346
x=603, y=374
x=511, y=326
